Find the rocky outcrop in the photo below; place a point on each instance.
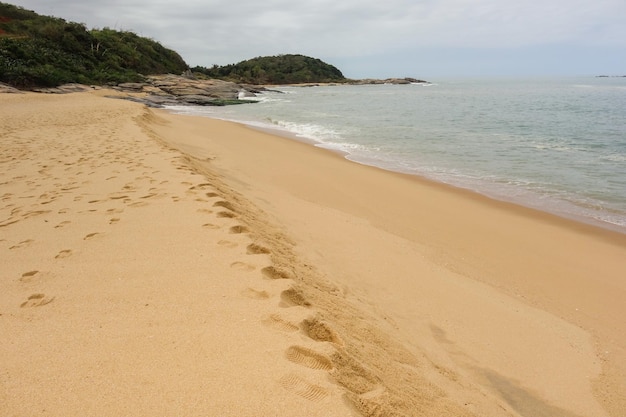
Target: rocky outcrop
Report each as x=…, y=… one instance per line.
x=163, y=90
x=177, y=90
x=65, y=89
x=5, y=88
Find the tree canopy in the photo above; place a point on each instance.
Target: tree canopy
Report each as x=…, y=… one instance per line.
x=281, y=69
x=40, y=50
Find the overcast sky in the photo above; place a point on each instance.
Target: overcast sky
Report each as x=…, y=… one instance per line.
x=375, y=38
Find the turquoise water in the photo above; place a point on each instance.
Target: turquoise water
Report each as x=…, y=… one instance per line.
x=554, y=145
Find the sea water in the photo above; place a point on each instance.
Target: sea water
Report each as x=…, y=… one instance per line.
x=557, y=145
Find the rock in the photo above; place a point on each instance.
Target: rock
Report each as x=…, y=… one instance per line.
x=169, y=89
x=185, y=90
x=188, y=74
x=5, y=88
x=406, y=80
x=160, y=100
x=65, y=89
x=199, y=100
x=132, y=86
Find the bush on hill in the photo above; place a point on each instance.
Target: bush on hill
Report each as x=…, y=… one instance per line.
x=281, y=69
x=46, y=51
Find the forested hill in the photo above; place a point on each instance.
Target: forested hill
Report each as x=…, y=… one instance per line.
x=40, y=50
x=45, y=51
x=281, y=69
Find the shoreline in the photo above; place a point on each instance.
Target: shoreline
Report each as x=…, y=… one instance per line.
x=172, y=257
x=557, y=208
x=452, y=242
x=562, y=214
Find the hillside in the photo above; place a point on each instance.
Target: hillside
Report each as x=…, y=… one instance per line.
x=281, y=69
x=40, y=51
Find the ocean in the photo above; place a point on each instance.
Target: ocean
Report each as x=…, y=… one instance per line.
x=557, y=145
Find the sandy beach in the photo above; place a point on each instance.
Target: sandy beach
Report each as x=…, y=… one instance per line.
x=157, y=264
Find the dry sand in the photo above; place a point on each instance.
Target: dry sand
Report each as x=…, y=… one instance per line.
x=164, y=265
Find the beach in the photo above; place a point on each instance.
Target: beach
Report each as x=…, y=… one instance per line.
x=159, y=264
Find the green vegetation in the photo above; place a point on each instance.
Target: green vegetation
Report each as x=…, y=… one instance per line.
x=281, y=69
x=47, y=51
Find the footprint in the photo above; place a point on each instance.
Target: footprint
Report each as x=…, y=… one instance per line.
x=91, y=236
x=8, y=222
x=352, y=375
x=63, y=254
x=212, y=195
x=254, y=249
x=227, y=214
x=62, y=224
x=255, y=294
x=210, y=226
x=34, y=213
x=37, y=300
x=27, y=276
x=207, y=211
x=114, y=220
x=276, y=322
x=225, y=204
x=227, y=244
x=309, y=358
x=242, y=266
x=275, y=273
x=200, y=186
x=22, y=244
x=303, y=388
x=238, y=229
x=293, y=297
x=320, y=332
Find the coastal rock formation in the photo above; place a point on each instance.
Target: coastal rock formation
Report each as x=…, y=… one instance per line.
x=169, y=89
x=185, y=89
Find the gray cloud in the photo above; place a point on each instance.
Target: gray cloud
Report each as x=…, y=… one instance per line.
x=208, y=32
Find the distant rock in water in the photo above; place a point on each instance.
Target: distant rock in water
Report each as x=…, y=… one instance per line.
x=406, y=80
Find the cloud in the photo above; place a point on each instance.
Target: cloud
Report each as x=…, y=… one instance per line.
x=208, y=32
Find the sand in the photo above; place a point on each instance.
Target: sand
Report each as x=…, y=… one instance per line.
x=162, y=265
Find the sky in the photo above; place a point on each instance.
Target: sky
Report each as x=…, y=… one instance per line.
x=427, y=39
